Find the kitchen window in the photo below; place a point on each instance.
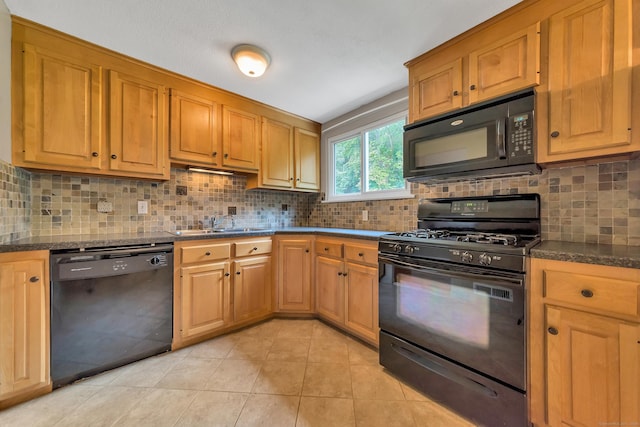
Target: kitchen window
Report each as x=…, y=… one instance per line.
x=366, y=163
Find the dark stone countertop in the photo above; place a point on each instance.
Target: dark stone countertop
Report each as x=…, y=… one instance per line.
x=589, y=253
x=104, y=240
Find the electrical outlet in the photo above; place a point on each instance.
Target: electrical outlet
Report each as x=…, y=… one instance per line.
x=365, y=215
x=143, y=207
x=104, y=206
x=231, y=210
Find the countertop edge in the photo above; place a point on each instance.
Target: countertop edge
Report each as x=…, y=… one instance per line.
x=598, y=254
x=94, y=241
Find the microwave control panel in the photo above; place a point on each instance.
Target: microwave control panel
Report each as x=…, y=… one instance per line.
x=521, y=135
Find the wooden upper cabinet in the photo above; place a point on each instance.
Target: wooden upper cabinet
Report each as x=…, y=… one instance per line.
x=435, y=89
x=439, y=84
x=505, y=66
x=306, y=159
x=589, y=82
x=240, y=136
x=62, y=111
x=276, y=168
x=138, y=142
x=290, y=158
x=193, y=130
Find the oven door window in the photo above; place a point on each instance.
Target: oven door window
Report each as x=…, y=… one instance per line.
x=456, y=310
x=476, y=319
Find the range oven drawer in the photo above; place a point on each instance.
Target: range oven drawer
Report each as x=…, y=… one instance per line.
x=475, y=397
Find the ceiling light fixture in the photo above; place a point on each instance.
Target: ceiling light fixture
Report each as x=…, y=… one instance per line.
x=192, y=169
x=251, y=60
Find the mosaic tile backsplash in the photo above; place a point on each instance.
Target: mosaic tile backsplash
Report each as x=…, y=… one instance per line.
x=15, y=203
x=596, y=203
x=65, y=204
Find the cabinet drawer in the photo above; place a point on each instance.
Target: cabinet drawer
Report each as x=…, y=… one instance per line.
x=592, y=292
x=204, y=253
x=366, y=254
x=328, y=248
x=253, y=247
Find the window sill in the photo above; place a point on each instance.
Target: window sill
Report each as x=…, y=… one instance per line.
x=371, y=197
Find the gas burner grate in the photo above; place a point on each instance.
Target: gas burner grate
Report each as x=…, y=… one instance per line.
x=423, y=233
x=489, y=238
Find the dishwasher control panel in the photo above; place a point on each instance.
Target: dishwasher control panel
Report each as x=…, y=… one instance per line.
x=79, y=266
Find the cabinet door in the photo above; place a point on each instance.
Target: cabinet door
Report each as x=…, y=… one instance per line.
x=277, y=154
x=24, y=322
x=589, y=81
x=193, y=133
x=138, y=141
x=62, y=110
x=307, y=159
x=506, y=66
x=240, y=133
x=593, y=369
x=330, y=288
x=294, y=275
x=361, y=300
x=205, y=298
x=252, y=288
x=436, y=90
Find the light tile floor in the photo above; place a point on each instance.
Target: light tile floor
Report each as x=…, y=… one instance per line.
x=278, y=373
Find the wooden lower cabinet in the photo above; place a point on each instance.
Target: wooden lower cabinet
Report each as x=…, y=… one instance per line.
x=252, y=288
x=24, y=326
x=294, y=275
x=330, y=289
x=584, y=345
x=205, y=298
x=361, y=300
x=347, y=285
x=219, y=284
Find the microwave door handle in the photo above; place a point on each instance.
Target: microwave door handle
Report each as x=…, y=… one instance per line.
x=500, y=140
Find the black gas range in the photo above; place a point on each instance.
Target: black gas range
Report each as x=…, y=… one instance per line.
x=452, y=304
x=494, y=232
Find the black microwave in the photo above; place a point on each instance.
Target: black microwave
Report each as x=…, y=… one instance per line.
x=495, y=138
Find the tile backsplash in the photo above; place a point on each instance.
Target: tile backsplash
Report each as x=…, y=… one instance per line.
x=65, y=204
x=15, y=203
x=595, y=203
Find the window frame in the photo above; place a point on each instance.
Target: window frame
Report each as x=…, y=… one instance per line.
x=364, y=195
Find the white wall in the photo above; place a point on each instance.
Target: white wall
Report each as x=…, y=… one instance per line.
x=5, y=83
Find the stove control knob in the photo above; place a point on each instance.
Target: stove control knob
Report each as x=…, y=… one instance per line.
x=466, y=257
x=397, y=248
x=410, y=249
x=484, y=259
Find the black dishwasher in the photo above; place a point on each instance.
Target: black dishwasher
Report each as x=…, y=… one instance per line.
x=109, y=307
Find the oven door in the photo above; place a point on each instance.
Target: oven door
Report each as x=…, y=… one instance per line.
x=469, y=315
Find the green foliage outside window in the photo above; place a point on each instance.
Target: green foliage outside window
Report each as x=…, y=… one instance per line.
x=385, y=157
x=347, y=166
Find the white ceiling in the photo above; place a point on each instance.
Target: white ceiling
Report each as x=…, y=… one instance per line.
x=328, y=56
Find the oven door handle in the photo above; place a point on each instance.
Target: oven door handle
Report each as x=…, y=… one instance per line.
x=451, y=273
x=444, y=372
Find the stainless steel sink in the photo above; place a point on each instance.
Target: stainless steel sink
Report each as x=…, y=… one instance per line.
x=192, y=232
x=218, y=230
x=240, y=230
